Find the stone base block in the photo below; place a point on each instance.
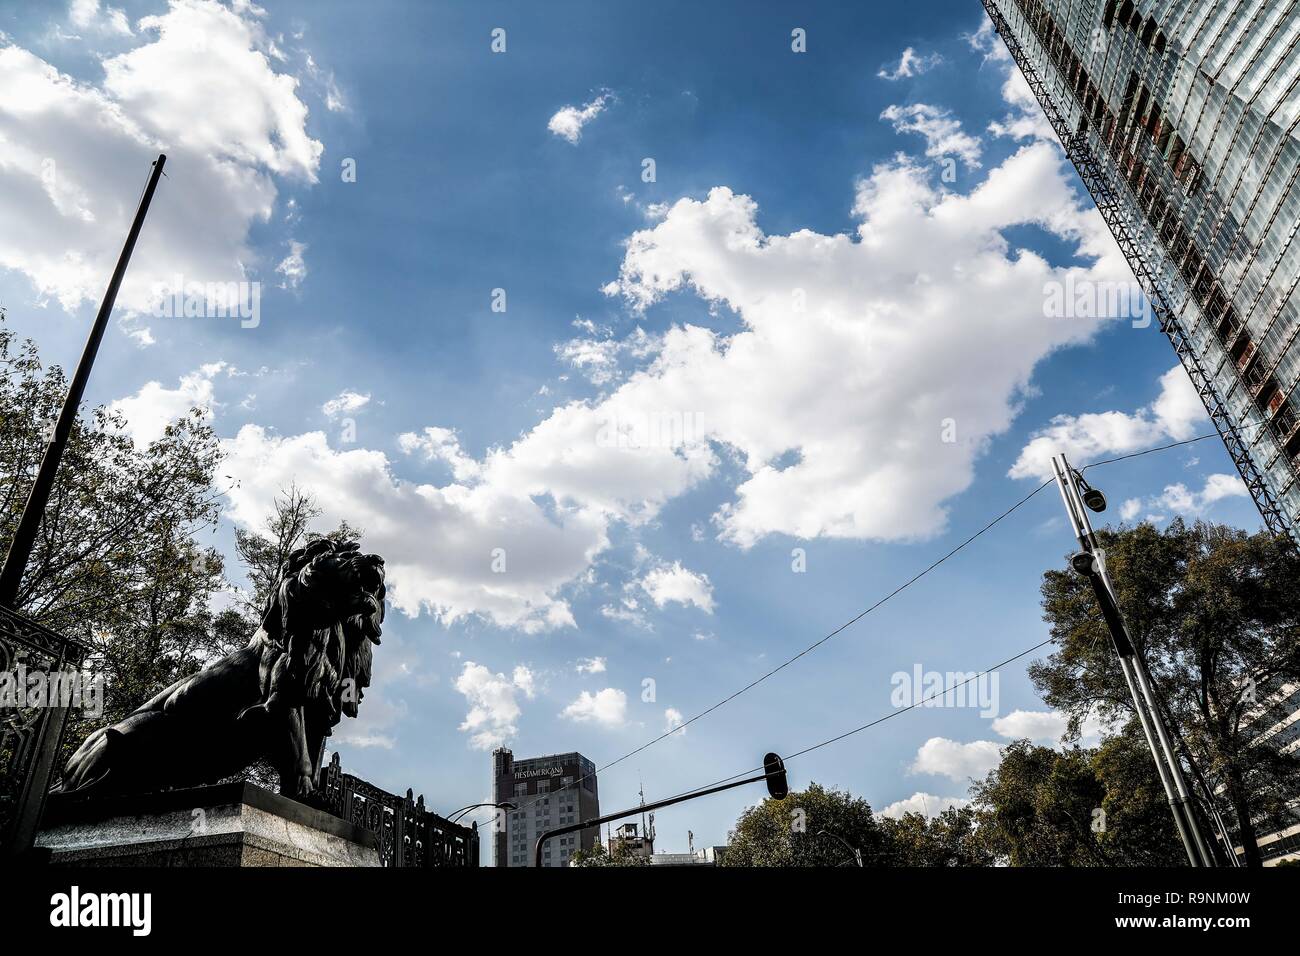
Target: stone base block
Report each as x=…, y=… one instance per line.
x=228, y=824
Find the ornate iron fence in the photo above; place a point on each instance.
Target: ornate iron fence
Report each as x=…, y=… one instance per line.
x=30, y=733
x=409, y=835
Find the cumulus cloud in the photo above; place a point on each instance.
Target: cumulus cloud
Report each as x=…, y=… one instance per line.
x=1045, y=727
x=830, y=397
x=926, y=804
x=591, y=665
x=1180, y=500
x=76, y=154
x=956, y=761
x=985, y=40
x=493, y=703
x=673, y=720
x=150, y=410
x=440, y=444
x=568, y=121
x=293, y=266
x=942, y=131
x=892, y=319
x=910, y=64
x=344, y=402
x=90, y=15
x=607, y=708
x=673, y=583
x=1174, y=416
x=1026, y=120
x=499, y=554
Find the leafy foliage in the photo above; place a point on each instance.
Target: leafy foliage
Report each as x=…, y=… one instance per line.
x=1077, y=807
x=821, y=827
x=1217, y=614
x=116, y=561
x=599, y=856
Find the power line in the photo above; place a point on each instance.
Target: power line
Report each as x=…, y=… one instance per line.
x=872, y=723
x=915, y=704
x=849, y=623
x=807, y=650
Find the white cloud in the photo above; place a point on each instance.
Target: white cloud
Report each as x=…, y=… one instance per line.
x=607, y=707
x=985, y=40
x=344, y=402
x=1026, y=120
x=88, y=15
x=926, y=804
x=77, y=154
x=293, y=266
x=942, y=132
x=1130, y=509
x=1045, y=727
x=910, y=64
x=957, y=761
x=540, y=549
x=568, y=121
x=150, y=410
x=493, y=703
x=440, y=444
x=1179, y=499
x=674, y=583
x=1174, y=415
x=832, y=406
x=591, y=665
x=928, y=315
x=673, y=720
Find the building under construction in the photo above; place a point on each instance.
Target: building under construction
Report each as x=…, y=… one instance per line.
x=1181, y=119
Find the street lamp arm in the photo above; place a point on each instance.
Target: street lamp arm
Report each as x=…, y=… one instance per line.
x=774, y=774
x=456, y=814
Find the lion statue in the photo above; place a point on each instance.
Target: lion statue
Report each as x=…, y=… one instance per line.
x=275, y=699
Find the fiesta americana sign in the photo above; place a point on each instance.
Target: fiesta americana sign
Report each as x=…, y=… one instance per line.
x=540, y=772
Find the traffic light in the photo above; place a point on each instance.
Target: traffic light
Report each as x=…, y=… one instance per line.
x=774, y=767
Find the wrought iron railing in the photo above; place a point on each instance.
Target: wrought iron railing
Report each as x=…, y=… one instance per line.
x=30, y=736
x=409, y=835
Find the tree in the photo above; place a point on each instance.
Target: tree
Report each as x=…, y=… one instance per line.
x=787, y=832
x=1216, y=612
x=599, y=856
x=116, y=561
x=1076, y=807
x=950, y=839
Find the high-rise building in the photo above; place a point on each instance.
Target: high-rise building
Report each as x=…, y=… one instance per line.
x=1181, y=118
x=548, y=792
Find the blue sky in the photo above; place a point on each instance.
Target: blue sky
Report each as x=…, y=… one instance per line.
x=805, y=347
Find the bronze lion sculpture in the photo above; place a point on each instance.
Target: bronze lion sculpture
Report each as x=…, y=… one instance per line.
x=275, y=699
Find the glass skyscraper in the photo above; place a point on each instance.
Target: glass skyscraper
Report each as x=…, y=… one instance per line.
x=1181, y=118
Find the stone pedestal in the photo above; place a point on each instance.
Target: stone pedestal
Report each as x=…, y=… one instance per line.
x=228, y=824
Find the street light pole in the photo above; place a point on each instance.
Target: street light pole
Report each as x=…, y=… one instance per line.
x=1091, y=563
x=20, y=548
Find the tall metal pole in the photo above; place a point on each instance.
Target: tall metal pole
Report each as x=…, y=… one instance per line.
x=1133, y=668
x=20, y=548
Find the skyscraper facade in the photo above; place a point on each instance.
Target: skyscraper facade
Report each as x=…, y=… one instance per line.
x=547, y=792
x=1181, y=119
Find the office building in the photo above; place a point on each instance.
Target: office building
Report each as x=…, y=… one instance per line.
x=548, y=792
x=1181, y=119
